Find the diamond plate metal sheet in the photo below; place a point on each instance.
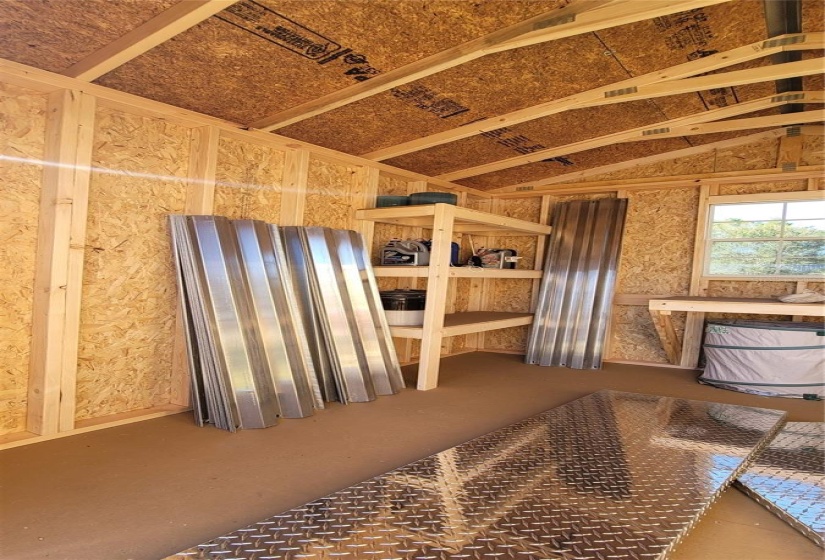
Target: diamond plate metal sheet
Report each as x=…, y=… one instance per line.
x=788, y=478
x=609, y=476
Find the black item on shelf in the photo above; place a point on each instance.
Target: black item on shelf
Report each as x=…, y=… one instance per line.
x=403, y=300
x=389, y=200
x=433, y=198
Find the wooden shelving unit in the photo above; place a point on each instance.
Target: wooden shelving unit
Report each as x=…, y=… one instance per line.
x=446, y=220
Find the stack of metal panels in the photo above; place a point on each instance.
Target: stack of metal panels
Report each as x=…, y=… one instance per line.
x=278, y=320
x=577, y=287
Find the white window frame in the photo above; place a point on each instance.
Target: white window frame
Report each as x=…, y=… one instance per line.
x=705, y=222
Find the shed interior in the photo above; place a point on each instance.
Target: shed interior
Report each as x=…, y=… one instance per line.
x=116, y=113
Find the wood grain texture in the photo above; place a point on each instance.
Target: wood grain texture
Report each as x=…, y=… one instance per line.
x=22, y=139
x=635, y=337
x=657, y=246
x=129, y=301
x=248, y=181
x=328, y=195
x=763, y=187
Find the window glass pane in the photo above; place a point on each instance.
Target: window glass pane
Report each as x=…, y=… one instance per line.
x=805, y=228
x=743, y=258
x=803, y=258
x=806, y=210
x=736, y=229
x=748, y=212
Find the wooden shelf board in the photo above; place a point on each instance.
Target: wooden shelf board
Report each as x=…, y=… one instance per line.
x=494, y=222
x=736, y=305
x=466, y=220
x=454, y=272
x=401, y=271
x=470, y=272
x=456, y=324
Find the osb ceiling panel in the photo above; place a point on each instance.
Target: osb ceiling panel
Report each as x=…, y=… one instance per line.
x=486, y=87
x=507, y=81
x=615, y=153
x=241, y=64
x=549, y=132
x=54, y=34
x=261, y=57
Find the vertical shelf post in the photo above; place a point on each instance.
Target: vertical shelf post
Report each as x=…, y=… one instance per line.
x=437, y=283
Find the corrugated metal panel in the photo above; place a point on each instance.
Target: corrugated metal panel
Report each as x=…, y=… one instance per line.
x=577, y=288
x=278, y=321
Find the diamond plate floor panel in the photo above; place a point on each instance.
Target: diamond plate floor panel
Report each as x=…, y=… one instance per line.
x=608, y=476
x=788, y=478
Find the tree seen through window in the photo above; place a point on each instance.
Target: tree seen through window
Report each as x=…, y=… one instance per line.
x=768, y=239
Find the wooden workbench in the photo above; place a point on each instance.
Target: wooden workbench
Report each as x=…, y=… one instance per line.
x=660, y=310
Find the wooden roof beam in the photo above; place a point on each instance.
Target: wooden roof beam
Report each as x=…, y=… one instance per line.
x=568, y=180
x=662, y=130
x=162, y=27
x=729, y=79
x=580, y=16
x=753, y=51
x=671, y=182
x=770, y=121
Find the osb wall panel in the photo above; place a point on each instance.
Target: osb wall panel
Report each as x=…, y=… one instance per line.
x=328, y=202
x=513, y=295
x=512, y=340
x=816, y=286
x=393, y=186
x=749, y=288
x=22, y=132
x=755, y=188
x=462, y=294
x=461, y=303
x=528, y=209
x=760, y=155
x=386, y=284
x=696, y=164
x=478, y=203
x=129, y=294
x=248, y=181
x=634, y=337
x=657, y=246
x=813, y=151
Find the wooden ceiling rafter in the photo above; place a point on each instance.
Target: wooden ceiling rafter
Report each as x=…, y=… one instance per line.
x=764, y=74
x=673, y=182
x=580, y=16
x=602, y=95
x=544, y=186
x=169, y=23
x=751, y=123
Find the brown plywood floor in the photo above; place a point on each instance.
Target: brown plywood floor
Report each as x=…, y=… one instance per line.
x=150, y=489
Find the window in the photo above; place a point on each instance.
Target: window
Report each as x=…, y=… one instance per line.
x=766, y=237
